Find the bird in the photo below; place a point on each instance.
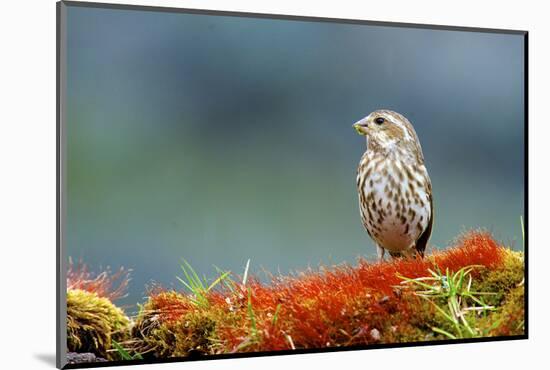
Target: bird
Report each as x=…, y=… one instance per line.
x=394, y=188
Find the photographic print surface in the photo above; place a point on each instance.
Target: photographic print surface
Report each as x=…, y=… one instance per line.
x=245, y=184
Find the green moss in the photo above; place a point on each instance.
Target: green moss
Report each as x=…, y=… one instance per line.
x=502, y=280
x=151, y=338
x=194, y=333
x=500, y=287
x=155, y=340
x=93, y=322
x=190, y=331
x=509, y=318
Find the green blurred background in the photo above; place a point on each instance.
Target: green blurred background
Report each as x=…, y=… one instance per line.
x=219, y=139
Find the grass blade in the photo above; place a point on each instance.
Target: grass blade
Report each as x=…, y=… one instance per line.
x=245, y=275
x=125, y=355
x=276, y=315
x=220, y=278
x=445, y=333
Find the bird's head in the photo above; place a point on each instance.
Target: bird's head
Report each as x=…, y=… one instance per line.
x=386, y=129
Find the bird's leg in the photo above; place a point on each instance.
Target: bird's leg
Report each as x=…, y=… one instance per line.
x=380, y=252
x=413, y=253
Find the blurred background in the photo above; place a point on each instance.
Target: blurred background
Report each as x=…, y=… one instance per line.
x=222, y=139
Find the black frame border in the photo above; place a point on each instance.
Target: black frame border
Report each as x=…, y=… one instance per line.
x=61, y=170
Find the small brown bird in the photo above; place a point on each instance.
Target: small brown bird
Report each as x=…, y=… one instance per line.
x=395, y=191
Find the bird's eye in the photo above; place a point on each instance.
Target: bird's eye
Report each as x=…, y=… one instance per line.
x=379, y=120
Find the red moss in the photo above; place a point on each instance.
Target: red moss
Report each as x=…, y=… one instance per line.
x=169, y=306
x=105, y=284
x=474, y=249
x=344, y=305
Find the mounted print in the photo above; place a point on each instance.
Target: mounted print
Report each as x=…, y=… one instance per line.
x=234, y=184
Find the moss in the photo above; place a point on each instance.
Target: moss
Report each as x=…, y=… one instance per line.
x=151, y=331
x=93, y=322
x=503, y=282
x=156, y=340
x=502, y=279
x=169, y=325
x=508, y=319
x=341, y=306
x=194, y=333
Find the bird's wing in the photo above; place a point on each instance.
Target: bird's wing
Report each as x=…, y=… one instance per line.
x=422, y=241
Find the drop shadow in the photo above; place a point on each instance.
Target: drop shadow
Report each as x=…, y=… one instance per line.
x=46, y=358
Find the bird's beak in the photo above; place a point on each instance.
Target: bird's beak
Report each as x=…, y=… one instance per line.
x=360, y=127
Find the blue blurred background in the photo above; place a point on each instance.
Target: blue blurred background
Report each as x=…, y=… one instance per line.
x=219, y=139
